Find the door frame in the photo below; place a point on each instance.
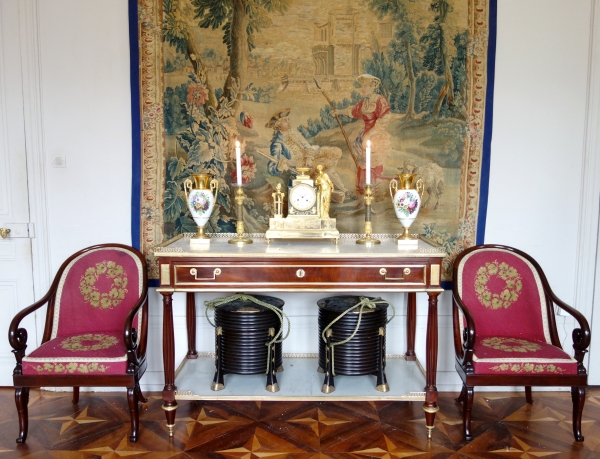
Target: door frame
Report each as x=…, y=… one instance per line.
x=31, y=73
x=587, y=298
x=35, y=150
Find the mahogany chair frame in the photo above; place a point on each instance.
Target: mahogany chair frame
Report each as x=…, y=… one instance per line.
x=464, y=350
x=136, y=354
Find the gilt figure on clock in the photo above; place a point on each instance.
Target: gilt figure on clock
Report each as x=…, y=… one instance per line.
x=308, y=210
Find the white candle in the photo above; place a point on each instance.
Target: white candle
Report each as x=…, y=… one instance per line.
x=238, y=162
x=368, y=163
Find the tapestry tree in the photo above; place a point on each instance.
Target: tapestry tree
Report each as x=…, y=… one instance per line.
x=436, y=57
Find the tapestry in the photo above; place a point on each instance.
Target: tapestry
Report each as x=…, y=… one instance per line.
x=302, y=83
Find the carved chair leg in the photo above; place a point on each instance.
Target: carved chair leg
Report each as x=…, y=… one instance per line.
x=134, y=413
x=21, y=400
x=328, y=383
x=272, y=385
x=140, y=394
x=578, y=397
x=528, y=396
x=461, y=397
x=75, y=395
x=218, y=382
x=467, y=406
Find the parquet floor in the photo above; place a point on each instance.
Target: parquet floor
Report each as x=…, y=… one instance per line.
x=98, y=427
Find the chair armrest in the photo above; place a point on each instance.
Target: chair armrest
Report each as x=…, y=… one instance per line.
x=135, y=354
x=128, y=333
x=582, y=335
x=468, y=338
x=17, y=337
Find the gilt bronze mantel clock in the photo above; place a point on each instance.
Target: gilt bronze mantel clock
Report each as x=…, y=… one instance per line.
x=308, y=209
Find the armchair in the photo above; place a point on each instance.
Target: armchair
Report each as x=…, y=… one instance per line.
x=95, y=330
x=505, y=329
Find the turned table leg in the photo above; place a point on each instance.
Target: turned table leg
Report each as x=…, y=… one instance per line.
x=431, y=393
x=411, y=325
x=190, y=321
x=168, y=394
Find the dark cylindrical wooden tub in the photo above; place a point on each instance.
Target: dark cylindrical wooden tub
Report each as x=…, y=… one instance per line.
x=361, y=355
x=245, y=331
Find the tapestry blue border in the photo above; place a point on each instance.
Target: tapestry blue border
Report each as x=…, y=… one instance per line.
x=487, y=129
x=484, y=180
x=136, y=143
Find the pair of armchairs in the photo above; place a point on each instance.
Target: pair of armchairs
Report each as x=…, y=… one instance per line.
x=505, y=329
x=97, y=319
x=95, y=331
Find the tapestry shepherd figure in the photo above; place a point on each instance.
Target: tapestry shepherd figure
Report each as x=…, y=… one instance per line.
x=289, y=150
x=374, y=110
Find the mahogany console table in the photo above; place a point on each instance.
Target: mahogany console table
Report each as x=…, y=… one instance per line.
x=318, y=266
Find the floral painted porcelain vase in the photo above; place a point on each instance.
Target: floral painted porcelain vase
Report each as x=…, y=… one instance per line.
x=201, y=195
x=406, y=198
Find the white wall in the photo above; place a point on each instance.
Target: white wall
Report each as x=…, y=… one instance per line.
x=537, y=148
x=84, y=55
x=538, y=132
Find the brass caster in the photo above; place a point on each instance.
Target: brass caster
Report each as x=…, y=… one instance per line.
x=171, y=428
x=217, y=386
x=280, y=369
x=383, y=387
x=273, y=387
x=327, y=389
x=429, y=432
x=320, y=370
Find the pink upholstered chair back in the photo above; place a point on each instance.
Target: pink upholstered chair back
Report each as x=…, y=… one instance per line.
x=96, y=291
x=504, y=294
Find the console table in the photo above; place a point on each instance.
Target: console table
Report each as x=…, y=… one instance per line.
x=298, y=266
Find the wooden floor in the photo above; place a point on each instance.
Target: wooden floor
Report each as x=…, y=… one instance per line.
x=98, y=427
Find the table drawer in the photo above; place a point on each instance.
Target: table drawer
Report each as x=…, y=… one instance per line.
x=250, y=275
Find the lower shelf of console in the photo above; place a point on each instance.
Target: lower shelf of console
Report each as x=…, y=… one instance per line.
x=299, y=381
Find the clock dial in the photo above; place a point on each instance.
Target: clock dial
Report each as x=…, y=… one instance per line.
x=303, y=197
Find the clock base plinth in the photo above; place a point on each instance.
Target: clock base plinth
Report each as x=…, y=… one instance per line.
x=302, y=228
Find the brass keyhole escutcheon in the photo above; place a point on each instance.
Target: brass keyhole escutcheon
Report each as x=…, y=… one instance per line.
x=4, y=232
x=300, y=273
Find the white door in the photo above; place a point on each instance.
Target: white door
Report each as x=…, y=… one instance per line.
x=16, y=267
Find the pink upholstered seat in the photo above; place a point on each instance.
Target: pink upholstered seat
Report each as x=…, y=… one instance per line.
x=95, y=333
x=505, y=330
x=87, y=353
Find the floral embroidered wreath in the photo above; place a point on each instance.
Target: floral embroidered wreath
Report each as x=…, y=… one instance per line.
x=508, y=295
x=75, y=343
x=511, y=344
x=105, y=300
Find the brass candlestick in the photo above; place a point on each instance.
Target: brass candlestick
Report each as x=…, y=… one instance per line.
x=368, y=224
x=239, y=225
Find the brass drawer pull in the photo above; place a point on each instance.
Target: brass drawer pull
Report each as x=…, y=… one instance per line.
x=300, y=273
x=383, y=272
x=194, y=272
